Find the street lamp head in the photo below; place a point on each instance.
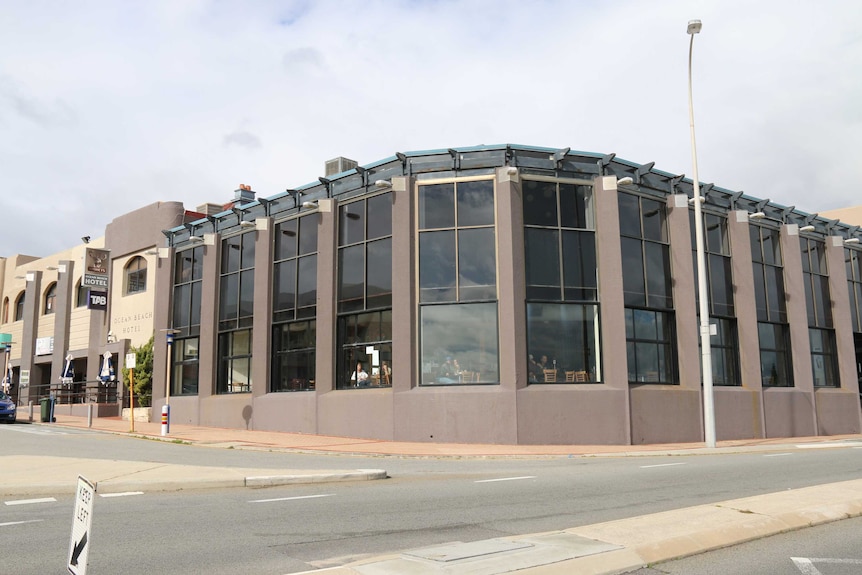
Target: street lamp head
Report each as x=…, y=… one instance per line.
x=694, y=26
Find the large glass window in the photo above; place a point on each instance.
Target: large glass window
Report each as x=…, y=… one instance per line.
x=5, y=309
x=853, y=264
x=560, y=248
x=185, y=366
x=459, y=344
x=365, y=293
x=366, y=349
x=136, y=275
x=234, y=364
x=458, y=269
x=51, y=298
x=81, y=295
x=724, y=344
x=236, y=310
x=186, y=319
x=294, y=304
x=650, y=346
x=773, y=330
x=647, y=290
x=815, y=272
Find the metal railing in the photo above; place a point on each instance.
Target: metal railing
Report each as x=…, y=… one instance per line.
x=76, y=392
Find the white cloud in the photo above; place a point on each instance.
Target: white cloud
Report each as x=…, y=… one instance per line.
x=110, y=106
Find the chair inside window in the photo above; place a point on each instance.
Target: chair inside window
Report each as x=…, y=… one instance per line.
x=582, y=376
x=570, y=376
x=550, y=375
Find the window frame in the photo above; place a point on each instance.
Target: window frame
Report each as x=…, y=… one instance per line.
x=135, y=276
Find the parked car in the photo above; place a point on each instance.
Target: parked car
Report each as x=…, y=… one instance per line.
x=7, y=408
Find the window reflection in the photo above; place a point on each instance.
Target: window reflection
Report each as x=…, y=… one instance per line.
x=459, y=344
x=562, y=343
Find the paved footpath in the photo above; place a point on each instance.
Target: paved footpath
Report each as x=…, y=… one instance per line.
x=605, y=548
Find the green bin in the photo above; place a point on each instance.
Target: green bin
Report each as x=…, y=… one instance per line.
x=46, y=409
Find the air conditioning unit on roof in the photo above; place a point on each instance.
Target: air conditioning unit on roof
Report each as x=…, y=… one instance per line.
x=338, y=165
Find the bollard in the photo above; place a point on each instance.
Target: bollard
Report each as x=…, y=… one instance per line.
x=31, y=411
x=166, y=419
x=89, y=415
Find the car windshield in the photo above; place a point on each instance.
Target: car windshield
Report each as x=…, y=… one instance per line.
x=3, y=396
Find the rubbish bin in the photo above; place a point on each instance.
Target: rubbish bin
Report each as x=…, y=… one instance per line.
x=47, y=409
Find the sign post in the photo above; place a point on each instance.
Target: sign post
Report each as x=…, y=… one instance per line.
x=82, y=520
x=130, y=363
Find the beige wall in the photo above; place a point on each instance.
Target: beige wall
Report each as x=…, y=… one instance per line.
x=132, y=314
x=852, y=215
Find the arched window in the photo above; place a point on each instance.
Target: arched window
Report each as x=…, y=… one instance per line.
x=50, y=298
x=5, y=310
x=136, y=275
x=19, y=307
x=80, y=295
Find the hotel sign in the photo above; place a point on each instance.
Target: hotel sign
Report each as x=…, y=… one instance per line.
x=96, y=263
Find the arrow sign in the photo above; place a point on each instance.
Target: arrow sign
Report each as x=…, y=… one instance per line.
x=82, y=520
x=76, y=552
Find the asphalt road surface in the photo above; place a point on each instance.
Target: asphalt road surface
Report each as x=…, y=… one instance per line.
x=425, y=502
x=831, y=549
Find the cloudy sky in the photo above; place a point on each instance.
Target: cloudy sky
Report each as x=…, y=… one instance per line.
x=109, y=106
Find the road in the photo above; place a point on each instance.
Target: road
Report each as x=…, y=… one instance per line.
x=831, y=549
x=425, y=502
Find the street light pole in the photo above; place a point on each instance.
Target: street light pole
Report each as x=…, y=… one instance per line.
x=694, y=27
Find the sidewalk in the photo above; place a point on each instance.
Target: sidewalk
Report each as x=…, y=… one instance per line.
x=605, y=548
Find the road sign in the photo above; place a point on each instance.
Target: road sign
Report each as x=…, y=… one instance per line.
x=130, y=360
x=82, y=520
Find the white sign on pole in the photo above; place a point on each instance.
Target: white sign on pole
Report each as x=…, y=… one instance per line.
x=82, y=520
x=130, y=360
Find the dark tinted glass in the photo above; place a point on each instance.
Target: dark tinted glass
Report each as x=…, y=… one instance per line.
x=181, y=306
x=716, y=234
x=476, y=203
x=477, y=264
x=284, y=286
x=658, y=275
x=308, y=234
x=379, y=276
x=195, y=304
x=230, y=254
x=634, y=287
x=380, y=216
x=286, y=235
x=437, y=266
x=307, y=282
x=464, y=332
x=543, y=262
x=653, y=220
x=351, y=277
x=573, y=206
x=579, y=259
x=351, y=223
x=246, y=293
x=436, y=206
x=540, y=203
x=229, y=297
x=720, y=284
x=760, y=292
x=630, y=218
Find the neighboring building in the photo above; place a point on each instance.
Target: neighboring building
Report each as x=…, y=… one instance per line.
x=46, y=311
x=509, y=294
x=494, y=294
x=852, y=216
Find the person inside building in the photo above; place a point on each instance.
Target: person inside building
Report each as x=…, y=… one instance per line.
x=447, y=373
x=360, y=376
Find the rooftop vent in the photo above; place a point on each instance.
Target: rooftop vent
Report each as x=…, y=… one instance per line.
x=210, y=209
x=338, y=165
x=243, y=195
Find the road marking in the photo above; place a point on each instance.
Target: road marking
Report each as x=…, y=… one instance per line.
x=29, y=501
x=291, y=498
x=806, y=565
x=506, y=479
x=124, y=494
x=777, y=454
x=34, y=431
x=20, y=522
x=661, y=465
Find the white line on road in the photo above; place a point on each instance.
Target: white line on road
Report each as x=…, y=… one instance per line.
x=20, y=522
x=35, y=431
x=291, y=498
x=661, y=465
x=124, y=494
x=777, y=454
x=806, y=565
x=28, y=501
x=506, y=479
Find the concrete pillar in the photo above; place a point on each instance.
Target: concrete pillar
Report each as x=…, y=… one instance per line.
x=327, y=290
x=208, y=348
x=684, y=294
x=262, y=333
